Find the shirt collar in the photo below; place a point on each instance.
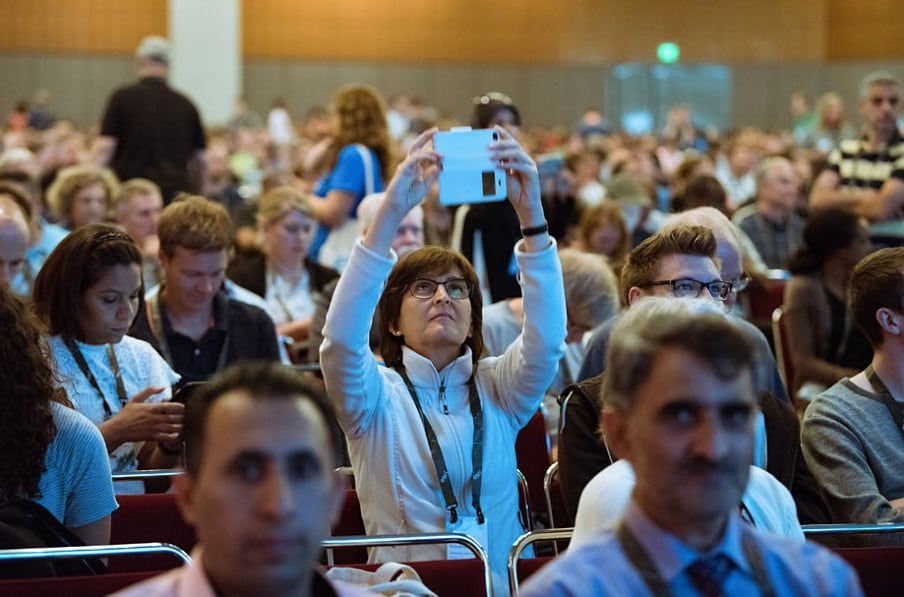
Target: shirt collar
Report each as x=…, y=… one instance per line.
x=670, y=556
x=220, y=312
x=422, y=373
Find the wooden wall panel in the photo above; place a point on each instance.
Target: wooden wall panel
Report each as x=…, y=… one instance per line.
x=585, y=32
x=864, y=30
x=79, y=26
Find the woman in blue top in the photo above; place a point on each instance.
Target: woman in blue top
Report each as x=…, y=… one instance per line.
x=357, y=158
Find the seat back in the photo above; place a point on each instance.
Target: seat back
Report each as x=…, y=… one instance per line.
x=782, y=353
x=88, y=586
x=73, y=586
x=350, y=523
x=877, y=568
x=446, y=578
x=447, y=575
x=532, y=450
x=148, y=518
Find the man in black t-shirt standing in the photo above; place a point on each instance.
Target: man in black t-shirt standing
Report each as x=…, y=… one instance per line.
x=151, y=131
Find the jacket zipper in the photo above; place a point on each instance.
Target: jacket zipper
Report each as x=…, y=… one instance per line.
x=442, y=396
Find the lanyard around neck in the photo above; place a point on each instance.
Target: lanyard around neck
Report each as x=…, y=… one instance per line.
x=644, y=566
x=895, y=408
x=439, y=461
x=86, y=371
x=155, y=322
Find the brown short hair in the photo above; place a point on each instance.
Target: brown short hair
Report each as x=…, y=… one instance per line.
x=69, y=181
x=130, y=188
x=644, y=260
x=423, y=262
x=877, y=282
x=76, y=264
x=194, y=223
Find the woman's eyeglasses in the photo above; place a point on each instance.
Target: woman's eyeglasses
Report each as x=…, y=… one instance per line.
x=424, y=288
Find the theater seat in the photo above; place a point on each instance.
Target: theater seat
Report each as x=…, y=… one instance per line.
x=532, y=449
x=877, y=568
x=148, y=518
x=446, y=578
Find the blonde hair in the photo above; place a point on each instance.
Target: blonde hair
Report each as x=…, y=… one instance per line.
x=130, y=188
x=70, y=181
x=276, y=203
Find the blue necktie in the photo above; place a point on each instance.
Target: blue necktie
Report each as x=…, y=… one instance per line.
x=709, y=574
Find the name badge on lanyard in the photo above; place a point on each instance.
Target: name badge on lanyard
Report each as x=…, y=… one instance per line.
x=469, y=526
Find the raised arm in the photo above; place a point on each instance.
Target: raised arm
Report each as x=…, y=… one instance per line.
x=525, y=370
x=350, y=371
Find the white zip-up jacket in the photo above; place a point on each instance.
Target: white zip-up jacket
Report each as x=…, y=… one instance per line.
x=395, y=475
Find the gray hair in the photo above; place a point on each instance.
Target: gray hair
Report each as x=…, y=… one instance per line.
x=655, y=323
x=591, y=290
x=764, y=169
x=877, y=77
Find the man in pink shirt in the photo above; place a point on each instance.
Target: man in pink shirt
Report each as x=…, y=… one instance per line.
x=260, y=490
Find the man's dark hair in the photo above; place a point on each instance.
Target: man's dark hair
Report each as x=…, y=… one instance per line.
x=643, y=261
x=877, y=282
x=262, y=380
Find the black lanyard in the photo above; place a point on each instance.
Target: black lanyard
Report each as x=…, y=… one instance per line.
x=155, y=321
x=647, y=570
x=895, y=408
x=442, y=472
x=86, y=371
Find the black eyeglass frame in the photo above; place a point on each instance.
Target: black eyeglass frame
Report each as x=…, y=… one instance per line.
x=436, y=284
x=719, y=290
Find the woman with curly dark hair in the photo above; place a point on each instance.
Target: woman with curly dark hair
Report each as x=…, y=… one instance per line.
x=48, y=452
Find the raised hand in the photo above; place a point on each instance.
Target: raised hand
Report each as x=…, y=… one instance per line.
x=415, y=175
x=408, y=187
x=523, y=179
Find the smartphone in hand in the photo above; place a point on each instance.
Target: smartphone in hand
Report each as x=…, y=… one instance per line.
x=468, y=174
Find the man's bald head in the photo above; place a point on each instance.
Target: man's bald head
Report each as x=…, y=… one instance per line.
x=15, y=236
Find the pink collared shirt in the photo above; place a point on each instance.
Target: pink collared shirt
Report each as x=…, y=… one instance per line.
x=190, y=581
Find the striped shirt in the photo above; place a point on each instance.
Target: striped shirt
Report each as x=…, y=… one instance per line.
x=865, y=168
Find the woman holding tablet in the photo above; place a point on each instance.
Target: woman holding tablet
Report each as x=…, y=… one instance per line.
x=432, y=435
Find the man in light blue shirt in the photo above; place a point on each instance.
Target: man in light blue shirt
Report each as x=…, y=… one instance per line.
x=679, y=405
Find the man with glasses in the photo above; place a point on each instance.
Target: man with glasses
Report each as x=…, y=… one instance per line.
x=681, y=261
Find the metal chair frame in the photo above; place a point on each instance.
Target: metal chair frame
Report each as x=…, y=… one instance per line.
x=526, y=540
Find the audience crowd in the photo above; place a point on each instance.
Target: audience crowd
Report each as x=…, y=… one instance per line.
x=437, y=332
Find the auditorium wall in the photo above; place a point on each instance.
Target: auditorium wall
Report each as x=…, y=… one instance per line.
x=552, y=57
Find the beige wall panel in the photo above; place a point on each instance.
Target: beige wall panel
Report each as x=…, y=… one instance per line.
x=94, y=26
x=534, y=31
x=864, y=29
